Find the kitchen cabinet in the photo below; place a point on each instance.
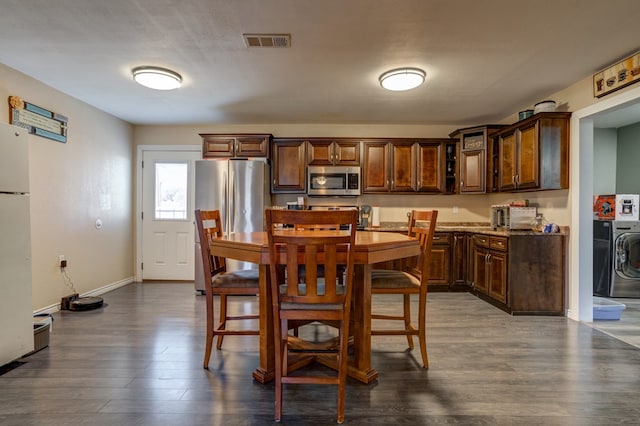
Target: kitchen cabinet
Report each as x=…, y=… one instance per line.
x=475, y=173
x=430, y=165
x=288, y=166
x=490, y=266
x=459, y=258
x=388, y=166
x=235, y=145
x=533, y=154
x=333, y=152
x=536, y=274
x=405, y=166
x=440, y=272
x=522, y=273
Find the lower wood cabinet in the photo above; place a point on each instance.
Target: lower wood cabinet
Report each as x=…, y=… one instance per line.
x=523, y=273
x=440, y=272
x=490, y=266
x=459, y=254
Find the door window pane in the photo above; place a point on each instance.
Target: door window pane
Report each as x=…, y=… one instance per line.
x=171, y=191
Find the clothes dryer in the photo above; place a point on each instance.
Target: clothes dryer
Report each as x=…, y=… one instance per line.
x=625, y=275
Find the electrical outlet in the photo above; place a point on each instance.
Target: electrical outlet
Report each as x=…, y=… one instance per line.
x=455, y=210
x=62, y=262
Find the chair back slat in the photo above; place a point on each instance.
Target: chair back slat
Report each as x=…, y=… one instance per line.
x=316, y=254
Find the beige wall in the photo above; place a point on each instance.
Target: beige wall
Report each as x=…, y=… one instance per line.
x=72, y=185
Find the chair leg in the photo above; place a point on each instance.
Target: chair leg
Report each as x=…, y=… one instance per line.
x=209, y=332
x=223, y=319
x=342, y=370
x=407, y=318
x=280, y=361
x=422, y=330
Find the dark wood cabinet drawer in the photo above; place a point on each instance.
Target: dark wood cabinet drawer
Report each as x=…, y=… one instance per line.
x=498, y=243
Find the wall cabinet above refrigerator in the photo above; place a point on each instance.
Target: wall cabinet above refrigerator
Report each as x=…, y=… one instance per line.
x=244, y=145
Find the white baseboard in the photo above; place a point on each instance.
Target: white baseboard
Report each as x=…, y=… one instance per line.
x=98, y=291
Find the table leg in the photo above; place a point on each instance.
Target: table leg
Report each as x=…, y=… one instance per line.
x=361, y=326
x=266, y=371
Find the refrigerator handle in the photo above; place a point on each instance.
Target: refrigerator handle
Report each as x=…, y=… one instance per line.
x=232, y=204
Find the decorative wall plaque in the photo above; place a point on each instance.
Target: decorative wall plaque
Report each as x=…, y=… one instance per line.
x=617, y=76
x=37, y=120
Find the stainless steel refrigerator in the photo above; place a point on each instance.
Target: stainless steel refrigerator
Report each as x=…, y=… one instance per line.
x=240, y=189
x=16, y=310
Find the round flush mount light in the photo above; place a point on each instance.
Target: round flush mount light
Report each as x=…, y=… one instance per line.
x=157, y=78
x=402, y=79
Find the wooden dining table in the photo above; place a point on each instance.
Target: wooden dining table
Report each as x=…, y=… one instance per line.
x=371, y=247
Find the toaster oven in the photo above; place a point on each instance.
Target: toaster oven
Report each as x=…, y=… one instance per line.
x=511, y=217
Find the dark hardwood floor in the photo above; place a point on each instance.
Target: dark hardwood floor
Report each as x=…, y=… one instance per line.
x=138, y=361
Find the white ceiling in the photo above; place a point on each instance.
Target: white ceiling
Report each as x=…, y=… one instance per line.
x=485, y=60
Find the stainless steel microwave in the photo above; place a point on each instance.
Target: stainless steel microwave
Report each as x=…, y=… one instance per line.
x=333, y=180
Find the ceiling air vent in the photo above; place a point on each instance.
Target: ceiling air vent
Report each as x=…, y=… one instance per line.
x=267, y=40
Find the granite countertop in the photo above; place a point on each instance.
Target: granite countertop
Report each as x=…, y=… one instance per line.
x=478, y=227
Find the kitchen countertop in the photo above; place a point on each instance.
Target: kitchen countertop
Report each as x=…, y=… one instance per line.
x=477, y=227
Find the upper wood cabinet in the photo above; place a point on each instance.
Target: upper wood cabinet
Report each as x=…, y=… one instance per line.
x=404, y=166
x=430, y=166
x=533, y=154
x=474, y=150
x=388, y=166
x=333, y=152
x=235, y=145
x=288, y=166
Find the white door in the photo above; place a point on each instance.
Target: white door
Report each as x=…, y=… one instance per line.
x=168, y=179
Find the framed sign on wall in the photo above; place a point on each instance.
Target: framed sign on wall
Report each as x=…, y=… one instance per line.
x=37, y=120
x=617, y=76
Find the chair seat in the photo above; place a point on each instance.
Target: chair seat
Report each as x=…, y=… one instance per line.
x=247, y=278
x=391, y=279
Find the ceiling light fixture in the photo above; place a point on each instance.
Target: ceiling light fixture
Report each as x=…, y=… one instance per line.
x=402, y=79
x=157, y=78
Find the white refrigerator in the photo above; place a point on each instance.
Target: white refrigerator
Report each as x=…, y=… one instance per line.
x=16, y=310
x=240, y=189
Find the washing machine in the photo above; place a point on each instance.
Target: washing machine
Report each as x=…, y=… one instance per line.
x=616, y=258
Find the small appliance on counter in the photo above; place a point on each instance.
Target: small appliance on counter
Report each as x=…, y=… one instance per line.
x=364, y=220
x=506, y=216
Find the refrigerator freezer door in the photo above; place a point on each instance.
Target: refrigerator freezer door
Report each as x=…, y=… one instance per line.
x=16, y=310
x=211, y=187
x=248, y=200
x=210, y=194
x=14, y=159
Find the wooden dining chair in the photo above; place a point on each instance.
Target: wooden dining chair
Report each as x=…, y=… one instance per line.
x=324, y=295
x=412, y=280
x=218, y=281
